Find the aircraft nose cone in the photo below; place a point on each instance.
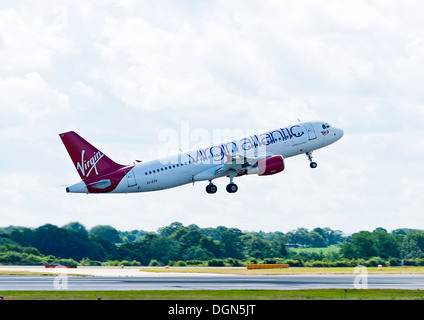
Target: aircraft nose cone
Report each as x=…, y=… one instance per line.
x=338, y=133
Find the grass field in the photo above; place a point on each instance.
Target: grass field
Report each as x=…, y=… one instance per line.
x=319, y=294
x=294, y=271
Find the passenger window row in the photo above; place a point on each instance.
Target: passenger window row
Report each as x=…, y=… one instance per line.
x=166, y=168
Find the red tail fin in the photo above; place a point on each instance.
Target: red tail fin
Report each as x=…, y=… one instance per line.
x=87, y=159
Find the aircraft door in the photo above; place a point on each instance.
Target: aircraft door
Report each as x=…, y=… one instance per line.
x=311, y=131
x=131, y=178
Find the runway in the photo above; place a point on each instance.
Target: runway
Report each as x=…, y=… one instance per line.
x=207, y=282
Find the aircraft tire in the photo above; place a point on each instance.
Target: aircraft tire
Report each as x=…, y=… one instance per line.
x=211, y=188
x=232, y=188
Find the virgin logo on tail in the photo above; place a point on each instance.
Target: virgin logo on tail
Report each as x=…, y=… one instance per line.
x=86, y=166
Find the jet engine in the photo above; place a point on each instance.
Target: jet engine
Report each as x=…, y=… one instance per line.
x=268, y=166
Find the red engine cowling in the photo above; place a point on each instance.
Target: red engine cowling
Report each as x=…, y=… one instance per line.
x=268, y=166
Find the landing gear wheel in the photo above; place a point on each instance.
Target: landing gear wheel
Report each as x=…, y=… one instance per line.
x=312, y=164
x=232, y=188
x=211, y=188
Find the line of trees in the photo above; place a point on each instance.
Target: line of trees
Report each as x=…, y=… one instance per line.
x=177, y=244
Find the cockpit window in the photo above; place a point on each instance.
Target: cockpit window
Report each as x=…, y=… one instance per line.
x=325, y=126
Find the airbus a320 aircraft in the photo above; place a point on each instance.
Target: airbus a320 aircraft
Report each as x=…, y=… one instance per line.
x=262, y=154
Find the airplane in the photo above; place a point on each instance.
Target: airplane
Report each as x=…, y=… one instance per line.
x=262, y=154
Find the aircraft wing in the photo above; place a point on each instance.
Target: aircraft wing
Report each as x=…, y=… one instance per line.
x=235, y=165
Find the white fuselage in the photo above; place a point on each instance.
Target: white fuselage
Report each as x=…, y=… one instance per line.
x=196, y=165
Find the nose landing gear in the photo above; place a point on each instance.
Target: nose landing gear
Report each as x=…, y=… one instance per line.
x=312, y=164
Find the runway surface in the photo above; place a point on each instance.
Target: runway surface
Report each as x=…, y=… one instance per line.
x=208, y=282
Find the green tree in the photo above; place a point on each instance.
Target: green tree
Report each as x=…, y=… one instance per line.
x=107, y=232
x=212, y=246
x=256, y=247
x=324, y=236
x=214, y=233
x=145, y=244
x=167, y=231
x=105, y=249
x=412, y=245
x=231, y=244
x=348, y=251
x=76, y=226
x=190, y=239
x=365, y=244
x=59, y=242
x=333, y=236
x=298, y=236
x=402, y=231
x=31, y=250
x=279, y=248
x=409, y=249
x=164, y=249
x=386, y=244
x=132, y=251
x=418, y=237
x=316, y=240
x=362, y=245
x=197, y=253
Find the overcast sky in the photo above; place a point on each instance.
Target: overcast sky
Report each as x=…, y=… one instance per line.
x=121, y=73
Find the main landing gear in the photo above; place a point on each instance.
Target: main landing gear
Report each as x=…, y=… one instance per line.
x=231, y=187
x=312, y=164
x=211, y=188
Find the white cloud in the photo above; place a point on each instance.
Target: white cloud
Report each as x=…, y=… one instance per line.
x=162, y=69
x=29, y=99
x=30, y=40
x=81, y=89
x=121, y=72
